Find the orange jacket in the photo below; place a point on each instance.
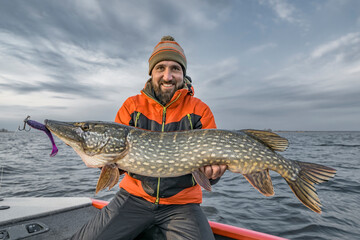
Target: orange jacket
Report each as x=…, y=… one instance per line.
x=183, y=112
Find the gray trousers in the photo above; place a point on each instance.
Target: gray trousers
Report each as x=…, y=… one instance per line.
x=131, y=217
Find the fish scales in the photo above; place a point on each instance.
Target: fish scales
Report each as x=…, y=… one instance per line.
x=184, y=152
x=252, y=153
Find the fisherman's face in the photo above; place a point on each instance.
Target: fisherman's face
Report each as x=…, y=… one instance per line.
x=167, y=77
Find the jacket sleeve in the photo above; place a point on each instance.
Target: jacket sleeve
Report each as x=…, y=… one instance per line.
x=207, y=119
x=123, y=116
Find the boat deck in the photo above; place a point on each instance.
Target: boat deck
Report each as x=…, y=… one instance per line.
x=43, y=218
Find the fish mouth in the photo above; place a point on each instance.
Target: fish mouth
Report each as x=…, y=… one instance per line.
x=66, y=131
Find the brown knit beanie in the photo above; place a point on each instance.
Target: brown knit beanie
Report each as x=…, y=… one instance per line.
x=167, y=50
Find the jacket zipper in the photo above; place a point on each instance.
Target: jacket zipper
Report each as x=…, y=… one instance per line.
x=189, y=118
x=163, y=129
x=137, y=118
x=158, y=184
x=163, y=119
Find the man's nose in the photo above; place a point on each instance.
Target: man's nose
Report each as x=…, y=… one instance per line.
x=167, y=75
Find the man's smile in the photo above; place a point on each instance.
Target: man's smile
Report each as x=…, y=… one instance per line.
x=167, y=86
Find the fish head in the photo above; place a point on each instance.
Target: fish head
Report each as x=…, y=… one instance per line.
x=97, y=143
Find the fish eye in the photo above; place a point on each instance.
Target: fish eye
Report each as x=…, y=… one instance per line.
x=85, y=127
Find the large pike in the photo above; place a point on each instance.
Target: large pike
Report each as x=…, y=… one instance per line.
x=252, y=153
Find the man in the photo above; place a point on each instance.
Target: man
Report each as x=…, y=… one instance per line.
x=163, y=207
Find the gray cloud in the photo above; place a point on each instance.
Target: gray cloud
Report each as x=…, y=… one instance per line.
x=26, y=88
x=50, y=35
x=117, y=23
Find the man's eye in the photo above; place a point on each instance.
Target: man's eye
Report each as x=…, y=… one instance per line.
x=160, y=68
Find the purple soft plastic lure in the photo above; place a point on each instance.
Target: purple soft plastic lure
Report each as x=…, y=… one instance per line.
x=42, y=127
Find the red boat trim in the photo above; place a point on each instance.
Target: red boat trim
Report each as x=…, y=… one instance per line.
x=99, y=203
x=219, y=228
x=240, y=233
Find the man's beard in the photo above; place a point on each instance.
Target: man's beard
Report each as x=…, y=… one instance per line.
x=164, y=97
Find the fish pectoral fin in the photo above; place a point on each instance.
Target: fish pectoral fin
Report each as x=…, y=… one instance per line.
x=109, y=176
x=202, y=180
x=261, y=181
x=270, y=139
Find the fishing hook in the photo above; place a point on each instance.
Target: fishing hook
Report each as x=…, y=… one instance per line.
x=24, y=127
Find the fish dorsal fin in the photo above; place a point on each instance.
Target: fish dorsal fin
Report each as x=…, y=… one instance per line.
x=261, y=181
x=270, y=139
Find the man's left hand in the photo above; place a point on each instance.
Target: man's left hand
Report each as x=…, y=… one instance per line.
x=213, y=171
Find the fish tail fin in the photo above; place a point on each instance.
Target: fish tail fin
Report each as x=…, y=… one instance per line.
x=109, y=176
x=303, y=187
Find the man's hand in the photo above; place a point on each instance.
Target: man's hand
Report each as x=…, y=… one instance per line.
x=213, y=171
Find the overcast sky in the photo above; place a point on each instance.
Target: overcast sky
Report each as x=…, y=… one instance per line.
x=262, y=64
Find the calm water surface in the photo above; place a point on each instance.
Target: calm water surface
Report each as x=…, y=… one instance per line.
x=27, y=170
